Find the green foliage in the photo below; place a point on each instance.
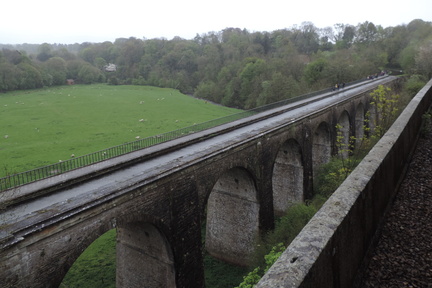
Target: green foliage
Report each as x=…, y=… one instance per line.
x=352, y=150
x=286, y=229
x=271, y=246
x=253, y=277
x=89, y=74
x=414, y=84
x=30, y=77
x=423, y=59
x=314, y=71
x=274, y=254
x=56, y=67
x=332, y=174
x=219, y=274
x=234, y=67
x=385, y=104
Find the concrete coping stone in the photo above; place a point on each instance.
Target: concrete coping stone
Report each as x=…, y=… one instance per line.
x=297, y=261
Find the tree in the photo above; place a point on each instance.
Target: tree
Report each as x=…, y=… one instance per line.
x=100, y=63
x=65, y=54
x=314, y=71
x=366, y=33
x=9, y=77
x=251, y=77
x=205, y=90
x=56, y=67
x=306, y=38
x=407, y=58
x=423, y=59
x=73, y=67
x=89, y=74
x=45, y=52
x=15, y=57
x=348, y=36
x=385, y=108
x=396, y=41
x=278, y=88
x=339, y=29
x=30, y=77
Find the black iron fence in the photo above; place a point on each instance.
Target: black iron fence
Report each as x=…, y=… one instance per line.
x=26, y=177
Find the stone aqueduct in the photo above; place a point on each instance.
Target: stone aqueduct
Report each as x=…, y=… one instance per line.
x=236, y=191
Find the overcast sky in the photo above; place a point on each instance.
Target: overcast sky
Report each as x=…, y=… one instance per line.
x=77, y=21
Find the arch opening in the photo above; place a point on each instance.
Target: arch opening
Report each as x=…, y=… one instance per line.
x=96, y=265
x=287, y=179
x=232, y=224
x=133, y=254
x=321, y=147
x=143, y=256
x=359, y=125
x=343, y=141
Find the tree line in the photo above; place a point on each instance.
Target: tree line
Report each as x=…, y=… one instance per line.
x=233, y=67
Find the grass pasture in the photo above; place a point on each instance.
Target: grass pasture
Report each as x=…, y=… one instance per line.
x=41, y=127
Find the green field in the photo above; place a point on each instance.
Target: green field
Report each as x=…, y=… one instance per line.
x=41, y=127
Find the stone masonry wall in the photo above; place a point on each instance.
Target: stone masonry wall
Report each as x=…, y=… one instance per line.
x=331, y=247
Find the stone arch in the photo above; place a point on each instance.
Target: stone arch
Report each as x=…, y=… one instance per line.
x=232, y=223
x=359, y=124
x=107, y=240
x=344, y=131
x=81, y=242
x=143, y=256
x=321, y=146
x=287, y=179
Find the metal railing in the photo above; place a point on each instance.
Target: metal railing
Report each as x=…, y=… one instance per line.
x=40, y=173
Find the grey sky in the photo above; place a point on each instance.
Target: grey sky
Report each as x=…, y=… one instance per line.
x=78, y=21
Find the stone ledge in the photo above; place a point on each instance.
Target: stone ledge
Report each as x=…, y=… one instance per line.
x=331, y=247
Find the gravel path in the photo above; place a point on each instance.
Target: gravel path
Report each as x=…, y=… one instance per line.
x=403, y=257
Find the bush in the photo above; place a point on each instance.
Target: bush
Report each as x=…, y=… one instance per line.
x=286, y=229
x=414, y=84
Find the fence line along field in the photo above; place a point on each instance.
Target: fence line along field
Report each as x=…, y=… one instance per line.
x=45, y=126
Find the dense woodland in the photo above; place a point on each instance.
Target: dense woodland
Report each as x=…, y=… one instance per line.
x=233, y=67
